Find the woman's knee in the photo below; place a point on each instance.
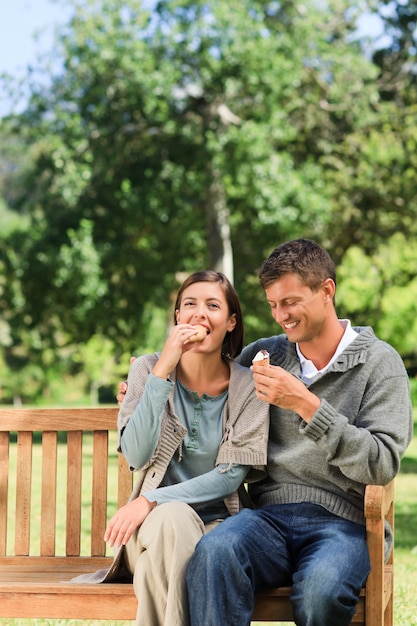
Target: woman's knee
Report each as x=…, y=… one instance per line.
x=174, y=515
x=170, y=523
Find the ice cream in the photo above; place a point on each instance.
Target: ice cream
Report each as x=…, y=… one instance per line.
x=261, y=357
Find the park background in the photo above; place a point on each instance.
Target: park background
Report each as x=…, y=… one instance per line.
x=151, y=139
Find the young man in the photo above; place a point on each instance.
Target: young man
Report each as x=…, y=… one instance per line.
x=341, y=418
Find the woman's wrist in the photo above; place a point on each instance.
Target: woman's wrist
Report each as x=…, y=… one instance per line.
x=148, y=504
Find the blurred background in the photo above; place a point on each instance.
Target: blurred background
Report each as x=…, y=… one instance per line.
x=140, y=141
x=143, y=140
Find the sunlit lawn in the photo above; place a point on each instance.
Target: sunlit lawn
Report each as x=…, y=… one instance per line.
x=405, y=606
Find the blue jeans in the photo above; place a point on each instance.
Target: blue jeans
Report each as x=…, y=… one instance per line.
x=324, y=557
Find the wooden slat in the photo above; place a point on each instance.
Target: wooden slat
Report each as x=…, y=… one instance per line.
x=99, y=493
x=378, y=502
x=274, y=605
x=23, y=492
x=32, y=587
x=4, y=490
x=271, y=603
x=74, y=481
x=57, y=419
x=13, y=567
x=389, y=579
x=108, y=602
x=48, y=493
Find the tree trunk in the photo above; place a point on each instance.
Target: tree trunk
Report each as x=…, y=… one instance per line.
x=219, y=242
x=218, y=227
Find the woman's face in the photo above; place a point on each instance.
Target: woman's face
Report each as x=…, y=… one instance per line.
x=204, y=303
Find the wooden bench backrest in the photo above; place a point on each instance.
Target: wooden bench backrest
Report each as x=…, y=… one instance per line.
x=38, y=443
x=49, y=424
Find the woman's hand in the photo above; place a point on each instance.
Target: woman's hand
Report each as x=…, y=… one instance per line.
x=176, y=344
x=129, y=517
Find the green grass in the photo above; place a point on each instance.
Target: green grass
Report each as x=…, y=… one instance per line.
x=405, y=598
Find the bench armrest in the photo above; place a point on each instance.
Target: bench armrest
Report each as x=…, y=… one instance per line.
x=379, y=507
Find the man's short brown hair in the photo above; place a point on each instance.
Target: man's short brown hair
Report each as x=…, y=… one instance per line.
x=303, y=257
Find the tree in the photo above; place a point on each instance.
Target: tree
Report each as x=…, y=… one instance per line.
x=171, y=139
x=380, y=290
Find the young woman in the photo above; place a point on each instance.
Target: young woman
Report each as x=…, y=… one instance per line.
x=193, y=428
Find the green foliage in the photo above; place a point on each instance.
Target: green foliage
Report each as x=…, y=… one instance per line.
x=78, y=271
x=359, y=285
x=169, y=136
x=413, y=390
x=380, y=290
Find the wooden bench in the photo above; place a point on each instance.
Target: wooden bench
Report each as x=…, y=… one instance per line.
x=76, y=505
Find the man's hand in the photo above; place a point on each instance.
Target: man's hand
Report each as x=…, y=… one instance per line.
x=122, y=387
x=126, y=520
x=276, y=386
x=121, y=392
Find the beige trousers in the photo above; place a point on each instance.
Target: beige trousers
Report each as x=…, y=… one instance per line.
x=157, y=555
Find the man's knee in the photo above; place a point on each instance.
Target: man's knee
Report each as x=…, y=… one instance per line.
x=324, y=599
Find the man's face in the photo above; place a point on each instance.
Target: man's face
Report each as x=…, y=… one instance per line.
x=299, y=311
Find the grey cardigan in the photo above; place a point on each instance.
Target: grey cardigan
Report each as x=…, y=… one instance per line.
x=245, y=428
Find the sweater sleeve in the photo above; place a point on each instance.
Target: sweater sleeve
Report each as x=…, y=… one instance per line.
x=366, y=444
x=139, y=437
x=210, y=487
x=247, y=424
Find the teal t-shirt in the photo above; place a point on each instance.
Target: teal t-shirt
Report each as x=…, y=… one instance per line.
x=193, y=477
